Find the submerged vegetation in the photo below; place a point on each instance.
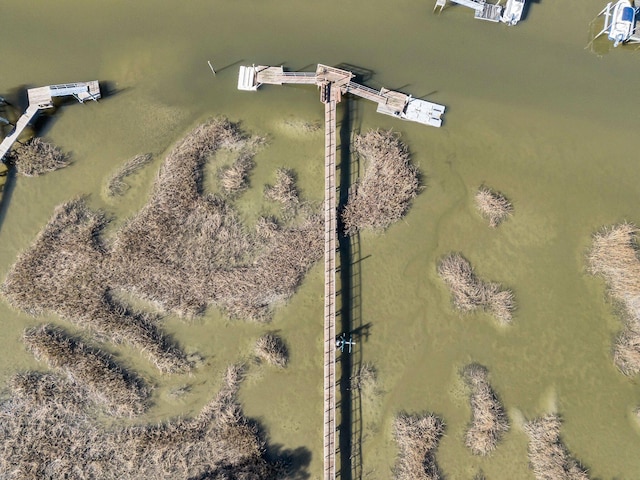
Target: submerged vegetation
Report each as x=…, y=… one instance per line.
x=36, y=157
x=417, y=437
x=613, y=256
x=271, y=349
x=549, y=458
x=185, y=250
x=46, y=432
x=104, y=382
x=390, y=182
x=365, y=380
x=471, y=293
x=116, y=184
x=489, y=421
x=493, y=206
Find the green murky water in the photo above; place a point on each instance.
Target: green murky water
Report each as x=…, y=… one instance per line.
x=530, y=112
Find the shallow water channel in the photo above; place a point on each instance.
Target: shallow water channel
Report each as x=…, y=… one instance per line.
x=530, y=112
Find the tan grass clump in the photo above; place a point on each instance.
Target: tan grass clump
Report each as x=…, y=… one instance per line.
x=106, y=383
x=493, y=206
x=183, y=251
x=489, y=421
x=36, y=157
x=235, y=178
x=271, y=349
x=266, y=228
x=284, y=191
x=389, y=183
x=187, y=249
x=54, y=437
x=471, y=293
x=417, y=437
x=67, y=271
x=548, y=457
x=613, y=256
x=116, y=185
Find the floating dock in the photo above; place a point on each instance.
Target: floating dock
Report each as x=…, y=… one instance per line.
x=42, y=98
x=511, y=14
x=395, y=104
x=333, y=83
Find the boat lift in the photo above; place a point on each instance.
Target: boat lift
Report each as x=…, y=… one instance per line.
x=619, y=22
x=342, y=342
x=510, y=15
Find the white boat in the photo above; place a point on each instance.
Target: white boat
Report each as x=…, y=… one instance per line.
x=512, y=12
x=622, y=22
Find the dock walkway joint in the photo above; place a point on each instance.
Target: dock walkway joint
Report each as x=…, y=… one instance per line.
x=41, y=98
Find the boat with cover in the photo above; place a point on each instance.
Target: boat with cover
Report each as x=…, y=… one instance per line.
x=512, y=12
x=623, y=22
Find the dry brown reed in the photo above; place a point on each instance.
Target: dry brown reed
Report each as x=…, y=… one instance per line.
x=471, y=293
x=67, y=271
x=116, y=184
x=548, y=457
x=37, y=156
x=493, y=206
x=271, y=349
x=235, y=178
x=54, y=437
x=284, y=191
x=105, y=382
x=417, y=437
x=489, y=421
x=266, y=228
x=613, y=255
x=383, y=195
x=185, y=250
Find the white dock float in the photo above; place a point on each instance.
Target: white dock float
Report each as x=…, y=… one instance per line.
x=491, y=12
x=41, y=98
x=513, y=12
x=247, y=79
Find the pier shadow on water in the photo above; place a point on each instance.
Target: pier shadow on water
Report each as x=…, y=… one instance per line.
x=8, y=184
x=350, y=320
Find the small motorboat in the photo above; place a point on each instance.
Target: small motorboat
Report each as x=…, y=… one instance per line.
x=622, y=22
x=512, y=12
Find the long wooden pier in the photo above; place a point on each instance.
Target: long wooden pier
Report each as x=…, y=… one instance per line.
x=41, y=98
x=329, y=449
x=333, y=83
